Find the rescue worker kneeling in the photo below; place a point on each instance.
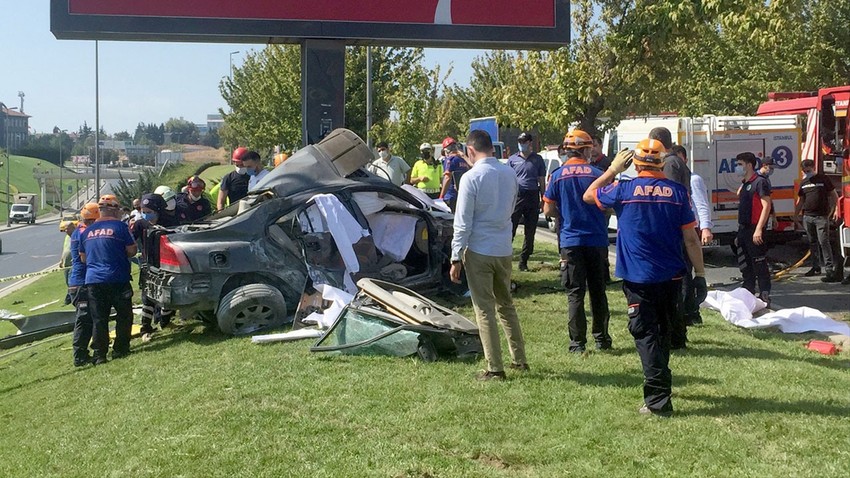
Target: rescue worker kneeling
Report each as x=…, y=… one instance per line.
x=654, y=216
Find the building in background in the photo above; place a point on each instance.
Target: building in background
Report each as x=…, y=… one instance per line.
x=14, y=128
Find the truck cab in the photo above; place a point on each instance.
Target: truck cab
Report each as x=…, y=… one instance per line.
x=827, y=139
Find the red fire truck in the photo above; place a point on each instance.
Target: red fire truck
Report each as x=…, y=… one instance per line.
x=827, y=140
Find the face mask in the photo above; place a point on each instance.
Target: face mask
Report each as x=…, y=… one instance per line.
x=808, y=174
x=384, y=154
x=170, y=204
x=563, y=157
x=240, y=170
x=193, y=197
x=426, y=155
x=767, y=173
x=251, y=172
x=524, y=147
x=149, y=216
x=739, y=171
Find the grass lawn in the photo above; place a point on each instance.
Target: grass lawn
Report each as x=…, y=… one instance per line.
x=23, y=180
x=195, y=403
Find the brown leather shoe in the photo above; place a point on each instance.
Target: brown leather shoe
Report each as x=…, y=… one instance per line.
x=486, y=376
x=520, y=367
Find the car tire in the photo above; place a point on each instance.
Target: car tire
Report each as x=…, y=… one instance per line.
x=250, y=308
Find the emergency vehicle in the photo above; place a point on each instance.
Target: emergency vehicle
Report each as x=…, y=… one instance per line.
x=827, y=140
x=712, y=142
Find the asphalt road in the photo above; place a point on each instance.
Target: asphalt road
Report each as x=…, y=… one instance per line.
x=29, y=248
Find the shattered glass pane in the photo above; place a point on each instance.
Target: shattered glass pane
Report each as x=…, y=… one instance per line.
x=355, y=326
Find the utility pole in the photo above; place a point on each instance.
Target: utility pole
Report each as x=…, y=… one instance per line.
x=8, y=188
x=369, y=96
x=96, y=122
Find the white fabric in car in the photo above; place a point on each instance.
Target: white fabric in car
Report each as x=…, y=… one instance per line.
x=393, y=233
x=345, y=230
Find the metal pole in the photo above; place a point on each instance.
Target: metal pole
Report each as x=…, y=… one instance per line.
x=369, y=96
x=231, y=64
x=8, y=189
x=61, y=208
x=96, y=121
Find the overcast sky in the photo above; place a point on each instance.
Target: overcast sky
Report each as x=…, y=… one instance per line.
x=147, y=82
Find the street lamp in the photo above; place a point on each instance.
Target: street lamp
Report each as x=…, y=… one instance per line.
x=231, y=63
x=58, y=131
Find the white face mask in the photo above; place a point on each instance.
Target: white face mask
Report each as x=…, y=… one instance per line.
x=170, y=204
x=240, y=170
x=563, y=157
x=384, y=155
x=193, y=198
x=808, y=174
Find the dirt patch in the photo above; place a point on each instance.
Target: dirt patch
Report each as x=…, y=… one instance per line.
x=492, y=461
x=204, y=154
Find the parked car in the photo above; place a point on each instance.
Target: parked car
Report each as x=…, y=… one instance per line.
x=246, y=267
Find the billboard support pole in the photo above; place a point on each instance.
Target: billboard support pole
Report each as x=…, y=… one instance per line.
x=322, y=88
x=369, y=96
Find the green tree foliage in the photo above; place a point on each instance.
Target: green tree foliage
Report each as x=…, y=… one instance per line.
x=181, y=131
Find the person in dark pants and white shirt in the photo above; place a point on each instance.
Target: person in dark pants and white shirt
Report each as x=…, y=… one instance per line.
x=654, y=220
x=531, y=177
x=106, y=248
x=482, y=245
x=583, y=241
x=816, y=201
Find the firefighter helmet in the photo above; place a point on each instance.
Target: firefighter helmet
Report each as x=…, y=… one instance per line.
x=577, y=139
x=649, y=152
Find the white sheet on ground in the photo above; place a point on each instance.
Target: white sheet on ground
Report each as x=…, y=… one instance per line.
x=393, y=233
x=345, y=230
x=738, y=306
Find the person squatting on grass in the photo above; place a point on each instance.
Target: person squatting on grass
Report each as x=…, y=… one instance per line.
x=77, y=290
x=654, y=218
x=583, y=241
x=482, y=244
x=105, y=248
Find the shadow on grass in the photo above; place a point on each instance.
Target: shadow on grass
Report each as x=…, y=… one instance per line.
x=188, y=332
x=762, y=354
x=4, y=391
x=731, y=405
x=619, y=380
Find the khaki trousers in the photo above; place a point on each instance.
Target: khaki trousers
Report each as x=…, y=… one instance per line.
x=489, y=280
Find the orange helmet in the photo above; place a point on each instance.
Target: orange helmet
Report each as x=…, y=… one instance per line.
x=577, y=139
x=279, y=158
x=108, y=200
x=90, y=211
x=649, y=152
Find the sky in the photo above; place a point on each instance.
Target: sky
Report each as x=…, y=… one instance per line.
x=146, y=82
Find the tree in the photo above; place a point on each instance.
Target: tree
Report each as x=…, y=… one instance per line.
x=122, y=136
x=181, y=131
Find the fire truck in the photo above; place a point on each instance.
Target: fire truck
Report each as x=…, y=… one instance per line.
x=827, y=140
x=712, y=142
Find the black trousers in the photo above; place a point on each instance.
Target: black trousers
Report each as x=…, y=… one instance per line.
x=82, y=326
x=583, y=270
x=526, y=212
x=651, y=310
x=752, y=261
x=102, y=298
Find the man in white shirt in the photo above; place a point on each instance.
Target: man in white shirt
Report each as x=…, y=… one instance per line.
x=254, y=168
x=393, y=168
x=482, y=244
x=702, y=212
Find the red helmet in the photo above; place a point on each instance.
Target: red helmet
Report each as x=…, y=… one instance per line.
x=238, y=153
x=196, y=183
x=448, y=142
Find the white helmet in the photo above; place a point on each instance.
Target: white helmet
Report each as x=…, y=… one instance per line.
x=164, y=191
x=425, y=146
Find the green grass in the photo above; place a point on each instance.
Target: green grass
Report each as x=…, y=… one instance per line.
x=22, y=180
x=195, y=403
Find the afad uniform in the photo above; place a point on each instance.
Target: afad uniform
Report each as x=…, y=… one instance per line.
x=583, y=241
x=108, y=282
x=76, y=281
x=652, y=212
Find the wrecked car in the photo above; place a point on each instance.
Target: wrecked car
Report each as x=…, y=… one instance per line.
x=319, y=218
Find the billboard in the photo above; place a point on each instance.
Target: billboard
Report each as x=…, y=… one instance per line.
x=443, y=23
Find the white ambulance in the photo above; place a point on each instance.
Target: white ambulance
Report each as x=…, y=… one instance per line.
x=712, y=143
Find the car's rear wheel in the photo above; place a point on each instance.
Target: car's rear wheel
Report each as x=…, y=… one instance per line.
x=250, y=308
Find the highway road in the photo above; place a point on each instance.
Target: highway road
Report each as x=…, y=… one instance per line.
x=30, y=248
